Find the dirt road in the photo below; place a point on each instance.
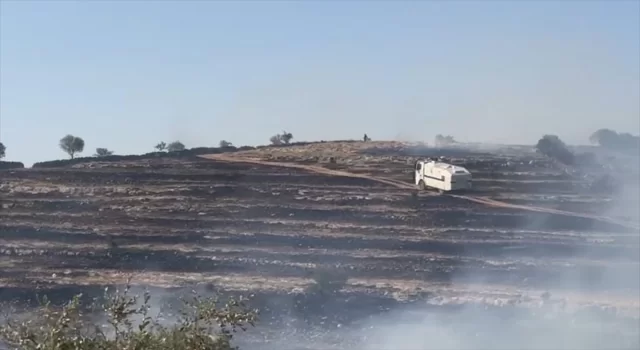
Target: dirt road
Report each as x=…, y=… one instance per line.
x=407, y=186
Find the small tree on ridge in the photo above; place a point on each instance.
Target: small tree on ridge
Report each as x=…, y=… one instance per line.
x=286, y=137
x=281, y=139
x=102, y=152
x=275, y=140
x=161, y=147
x=552, y=147
x=3, y=149
x=71, y=145
x=225, y=144
x=610, y=139
x=443, y=141
x=175, y=146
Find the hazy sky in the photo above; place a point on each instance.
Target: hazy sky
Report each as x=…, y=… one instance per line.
x=126, y=75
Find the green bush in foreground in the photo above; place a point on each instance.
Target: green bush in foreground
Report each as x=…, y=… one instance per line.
x=204, y=324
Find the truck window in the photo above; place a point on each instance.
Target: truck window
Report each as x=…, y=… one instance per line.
x=418, y=166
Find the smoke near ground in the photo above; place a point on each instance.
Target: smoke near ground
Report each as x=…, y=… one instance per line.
x=401, y=270
x=542, y=321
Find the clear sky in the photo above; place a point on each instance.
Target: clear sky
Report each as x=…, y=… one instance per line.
x=128, y=74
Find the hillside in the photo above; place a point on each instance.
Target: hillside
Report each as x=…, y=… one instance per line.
x=237, y=223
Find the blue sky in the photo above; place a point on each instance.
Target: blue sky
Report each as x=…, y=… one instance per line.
x=128, y=74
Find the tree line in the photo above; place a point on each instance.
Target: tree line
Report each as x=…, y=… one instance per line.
x=74, y=145
x=553, y=147
x=610, y=139
x=550, y=145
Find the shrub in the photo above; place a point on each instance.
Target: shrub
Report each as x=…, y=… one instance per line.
x=3, y=149
x=281, y=139
x=225, y=144
x=286, y=137
x=102, y=152
x=443, y=141
x=205, y=324
x=610, y=139
x=175, y=146
x=275, y=140
x=552, y=147
x=161, y=147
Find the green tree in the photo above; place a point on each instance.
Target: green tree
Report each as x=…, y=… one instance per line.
x=604, y=137
x=162, y=146
x=102, y=152
x=610, y=139
x=71, y=145
x=225, y=144
x=276, y=140
x=205, y=324
x=3, y=149
x=286, y=137
x=552, y=147
x=281, y=139
x=175, y=146
x=442, y=140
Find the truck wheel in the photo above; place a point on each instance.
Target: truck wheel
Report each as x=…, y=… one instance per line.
x=422, y=186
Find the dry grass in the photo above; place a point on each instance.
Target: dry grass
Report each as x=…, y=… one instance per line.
x=323, y=151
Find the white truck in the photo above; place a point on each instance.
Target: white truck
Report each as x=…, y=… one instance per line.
x=441, y=176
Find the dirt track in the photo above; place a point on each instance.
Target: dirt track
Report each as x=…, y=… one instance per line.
x=408, y=186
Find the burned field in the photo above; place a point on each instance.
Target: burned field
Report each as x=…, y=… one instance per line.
x=279, y=232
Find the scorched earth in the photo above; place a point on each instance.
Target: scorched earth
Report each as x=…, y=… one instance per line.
x=341, y=253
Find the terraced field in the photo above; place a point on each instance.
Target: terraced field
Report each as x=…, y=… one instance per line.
x=270, y=229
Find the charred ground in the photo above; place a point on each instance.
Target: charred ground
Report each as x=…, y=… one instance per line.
x=275, y=231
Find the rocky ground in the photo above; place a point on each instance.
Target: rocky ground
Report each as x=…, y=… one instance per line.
x=275, y=231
